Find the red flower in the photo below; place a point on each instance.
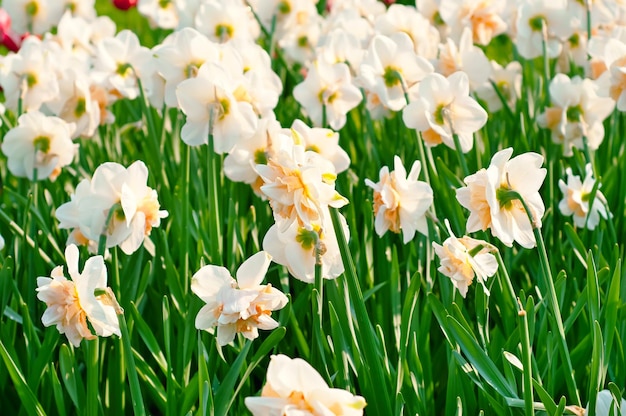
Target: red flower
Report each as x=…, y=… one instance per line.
x=8, y=37
x=124, y=4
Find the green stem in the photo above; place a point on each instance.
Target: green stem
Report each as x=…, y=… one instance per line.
x=503, y=272
x=92, y=362
x=215, y=231
x=505, y=104
x=552, y=302
x=526, y=360
x=318, y=310
x=546, y=61
x=459, y=151
x=153, y=136
x=588, y=12
x=186, y=215
x=102, y=243
x=131, y=370
x=381, y=404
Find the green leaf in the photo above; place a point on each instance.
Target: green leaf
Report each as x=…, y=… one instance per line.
x=545, y=398
x=224, y=394
x=597, y=371
x=71, y=380
x=593, y=291
x=29, y=400
x=479, y=359
x=148, y=338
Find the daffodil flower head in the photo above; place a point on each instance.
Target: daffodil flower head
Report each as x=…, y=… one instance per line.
x=293, y=386
x=464, y=258
x=299, y=248
x=237, y=306
x=299, y=184
x=493, y=197
x=72, y=304
x=577, y=199
x=40, y=145
x=121, y=196
x=401, y=201
x=443, y=109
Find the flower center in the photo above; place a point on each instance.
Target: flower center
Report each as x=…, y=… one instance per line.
x=284, y=7
x=260, y=157
x=31, y=79
x=81, y=107
x=32, y=8
x=391, y=76
x=42, y=143
x=536, y=23
x=307, y=238
x=224, y=31
x=123, y=69
x=574, y=113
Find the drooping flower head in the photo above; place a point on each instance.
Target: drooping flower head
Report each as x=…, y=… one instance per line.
x=237, y=306
x=491, y=205
x=293, y=387
x=73, y=303
x=464, y=258
x=577, y=199
x=401, y=201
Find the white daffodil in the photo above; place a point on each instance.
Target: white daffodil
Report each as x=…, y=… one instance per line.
x=33, y=16
x=293, y=387
x=75, y=103
x=444, y=108
x=508, y=80
x=390, y=68
x=400, y=18
x=482, y=17
x=342, y=44
x=401, y=201
x=160, y=13
x=491, y=205
x=209, y=102
x=113, y=187
x=322, y=141
x=226, y=21
x=464, y=258
x=299, y=184
x=609, y=66
x=297, y=247
x=237, y=306
x=240, y=163
x=464, y=56
x=328, y=91
x=71, y=303
x=39, y=145
x=300, y=36
x=180, y=56
x=535, y=16
x=119, y=59
x=30, y=76
x=260, y=86
x=576, y=199
x=576, y=112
